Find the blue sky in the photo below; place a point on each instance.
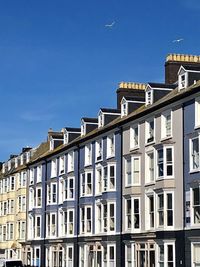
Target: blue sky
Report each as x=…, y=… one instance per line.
x=58, y=61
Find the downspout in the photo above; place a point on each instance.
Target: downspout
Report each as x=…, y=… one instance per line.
x=184, y=205
x=76, y=261
x=45, y=205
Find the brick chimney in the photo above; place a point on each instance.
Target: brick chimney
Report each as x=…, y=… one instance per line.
x=130, y=89
x=173, y=63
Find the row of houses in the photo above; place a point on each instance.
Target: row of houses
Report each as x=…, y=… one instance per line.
x=121, y=190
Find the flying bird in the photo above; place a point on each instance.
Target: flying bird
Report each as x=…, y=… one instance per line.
x=177, y=40
x=110, y=25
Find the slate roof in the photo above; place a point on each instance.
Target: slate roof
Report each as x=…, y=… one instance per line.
x=110, y=110
x=162, y=85
x=95, y=120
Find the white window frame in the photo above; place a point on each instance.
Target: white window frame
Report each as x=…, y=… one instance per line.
x=182, y=83
x=106, y=186
x=197, y=112
x=110, y=144
x=37, y=202
x=165, y=210
x=99, y=150
x=133, y=171
x=147, y=131
x=39, y=173
x=192, y=206
x=53, y=168
x=88, y=154
x=165, y=260
x=192, y=156
x=50, y=230
x=149, y=97
x=61, y=164
x=149, y=212
x=98, y=180
x=31, y=173
x=132, y=255
x=148, y=169
x=133, y=144
x=124, y=108
x=165, y=163
x=50, y=195
x=36, y=226
x=84, y=220
x=193, y=244
x=69, y=261
x=84, y=183
x=70, y=161
x=164, y=116
x=133, y=212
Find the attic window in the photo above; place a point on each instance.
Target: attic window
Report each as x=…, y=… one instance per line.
x=66, y=138
x=82, y=128
x=101, y=119
x=124, y=108
x=182, y=81
x=51, y=144
x=149, y=97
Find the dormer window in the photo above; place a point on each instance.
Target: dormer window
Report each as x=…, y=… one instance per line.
x=51, y=144
x=149, y=97
x=66, y=138
x=182, y=78
x=3, y=168
x=28, y=156
x=124, y=108
x=101, y=119
x=82, y=128
x=16, y=162
x=9, y=164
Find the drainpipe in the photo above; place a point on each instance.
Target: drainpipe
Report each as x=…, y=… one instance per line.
x=76, y=261
x=44, y=214
x=182, y=262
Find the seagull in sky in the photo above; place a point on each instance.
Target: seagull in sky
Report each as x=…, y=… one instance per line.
x=177, y=40
x=110, y=25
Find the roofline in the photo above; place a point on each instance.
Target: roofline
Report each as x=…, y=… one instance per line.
x=77, y=142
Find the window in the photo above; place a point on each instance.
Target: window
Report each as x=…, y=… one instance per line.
x=88, y=154
x=52, y=193
x=38, y=197
x=151, y=211
x=70, y=161
x=196, y=205
x=101, y=119
x=197, y=112
x=150, y=131
x=22, y=179
x=37, y=226
x=124, y=108
x=166, y=124
x=99, y=179
x=98, y=224
x=69, y=254
x=182, y=81
x=21, y=229
x=12, y=183
x=39, y=173
x=22, y=203
x=109, y=178
x=111, y=256
x=61, y=165
x=110, y=146
x=99, y=150
x=86, y=220
x=132, y=214
x=149, y=97
x=134, y=137
x=31, y=198
x=165, y=162
x=166, y=254
x=165, y=209
x=130, y=255
x=51, y=225
x=86, y=184
x=150, y=173
x=195, y=253
x=68, y=188
x=132, y=169
x=10, y=231
x=31, y=176
x=54, y=168
x=67, y=222
x=194, y=154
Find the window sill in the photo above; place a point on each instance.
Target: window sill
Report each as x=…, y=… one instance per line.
x=150, y=183
x=132, y=185
x=91, y=195
x=194, y=171
x=150, y=143
x=110, y=157
x=165, y=138
x=134, y=148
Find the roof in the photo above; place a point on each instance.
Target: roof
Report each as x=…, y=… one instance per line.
x=134, y=98
x=162, y=85
x=191, y=67
x=56, y=135
x=171, y=97
x=71, y=129
x=95, y=120
x=111, y=110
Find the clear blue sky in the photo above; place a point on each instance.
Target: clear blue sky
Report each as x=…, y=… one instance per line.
x=58, y=61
